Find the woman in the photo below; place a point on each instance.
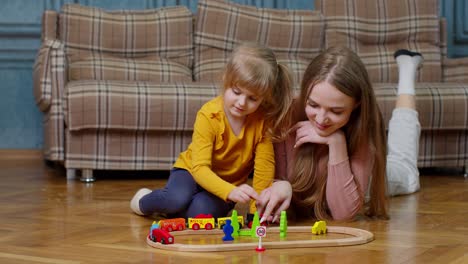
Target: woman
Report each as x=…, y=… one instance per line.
x=336, y=159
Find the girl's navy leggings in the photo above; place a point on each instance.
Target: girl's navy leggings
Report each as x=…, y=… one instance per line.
x=183, y=197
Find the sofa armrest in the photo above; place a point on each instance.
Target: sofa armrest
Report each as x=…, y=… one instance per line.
x=48, y=83
x=49, y=73
x=455, y=69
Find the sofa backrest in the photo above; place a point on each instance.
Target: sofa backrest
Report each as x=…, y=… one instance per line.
x=155, y=44
x=49, y=25
x=376, y=29
x=294, y=35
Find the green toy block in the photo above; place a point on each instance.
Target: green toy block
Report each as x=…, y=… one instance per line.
x=244, y=232
x=283, y=224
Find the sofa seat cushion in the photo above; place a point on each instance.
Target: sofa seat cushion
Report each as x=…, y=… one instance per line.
x=100, y=66
x=166, y=32
x=135, y=106
x=376, y=29
x=294, y=35
x=441, y=106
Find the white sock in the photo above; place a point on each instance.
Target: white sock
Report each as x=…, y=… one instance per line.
x=407, y=67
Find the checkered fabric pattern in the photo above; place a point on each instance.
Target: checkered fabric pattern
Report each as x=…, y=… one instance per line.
x=456, y=70
x=294, y=35
x=99, y=42
x=49, y=25
x=131, y=105
x=443, y=115
x=441, y=106
x=49, y=81
x=42, y=75
x=375, y=29
x=142, y=128
x=136, y=106
x=447, y=149
x=100, y=66
x=125, y=150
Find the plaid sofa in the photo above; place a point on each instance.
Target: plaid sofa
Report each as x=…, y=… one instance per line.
x=120, y=89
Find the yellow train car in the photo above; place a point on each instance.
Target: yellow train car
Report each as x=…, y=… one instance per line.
x=198, y=222
x=222, y=221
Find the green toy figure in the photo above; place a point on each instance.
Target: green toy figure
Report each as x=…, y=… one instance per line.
x=235, y=223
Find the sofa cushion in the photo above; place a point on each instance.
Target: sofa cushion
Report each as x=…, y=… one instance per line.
x=99, y=66
x=165, y=32
x=441, y=106
x=135, y=106
x=376, y=29
x=294, y=35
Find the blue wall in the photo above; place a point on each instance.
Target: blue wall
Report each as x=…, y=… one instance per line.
x=21, y=121
x=456, y=14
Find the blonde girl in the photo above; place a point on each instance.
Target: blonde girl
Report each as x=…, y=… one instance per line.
x=232, y=138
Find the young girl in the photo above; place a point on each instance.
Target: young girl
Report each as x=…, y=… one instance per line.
x=231, y=138
x=337, y=154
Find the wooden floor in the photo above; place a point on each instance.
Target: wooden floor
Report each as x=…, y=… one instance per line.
x=46, y=219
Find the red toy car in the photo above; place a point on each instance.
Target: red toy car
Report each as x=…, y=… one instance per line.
x=161, y=236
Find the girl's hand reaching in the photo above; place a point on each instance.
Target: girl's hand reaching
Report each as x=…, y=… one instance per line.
x=273, y=200
x=243, y=194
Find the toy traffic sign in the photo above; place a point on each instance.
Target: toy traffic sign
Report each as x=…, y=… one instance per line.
x=260, y=232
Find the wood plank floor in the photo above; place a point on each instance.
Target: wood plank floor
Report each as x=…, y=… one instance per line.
x=46, y=219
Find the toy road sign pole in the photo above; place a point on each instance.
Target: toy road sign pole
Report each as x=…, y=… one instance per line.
x=260, y=232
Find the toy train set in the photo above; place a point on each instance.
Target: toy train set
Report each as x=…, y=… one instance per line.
x=192, y=234
x=160, y=230
x=198, y=222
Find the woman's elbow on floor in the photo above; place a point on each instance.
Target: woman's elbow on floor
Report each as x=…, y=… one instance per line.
x=347, y=215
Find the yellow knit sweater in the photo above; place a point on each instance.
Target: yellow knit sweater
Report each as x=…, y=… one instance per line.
x=219, y=160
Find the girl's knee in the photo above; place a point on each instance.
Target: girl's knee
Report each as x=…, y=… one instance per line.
x=206, y=204
x=180, y=190
x=178, y=202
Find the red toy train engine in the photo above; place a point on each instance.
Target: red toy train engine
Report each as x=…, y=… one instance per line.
x=161, y=236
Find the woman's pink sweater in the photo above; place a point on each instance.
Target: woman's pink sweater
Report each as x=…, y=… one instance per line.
x=347, y=180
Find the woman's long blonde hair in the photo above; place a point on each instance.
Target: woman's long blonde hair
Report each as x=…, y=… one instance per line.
x=254, y=67
x=342, y=68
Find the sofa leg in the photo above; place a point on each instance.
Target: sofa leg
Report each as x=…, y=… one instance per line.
x=87, y=175
x=71, y=174
x=466, y=172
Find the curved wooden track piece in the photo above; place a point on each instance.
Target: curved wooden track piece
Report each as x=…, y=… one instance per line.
x=358, y=236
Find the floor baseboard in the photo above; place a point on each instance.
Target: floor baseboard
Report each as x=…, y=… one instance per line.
x=19, y=154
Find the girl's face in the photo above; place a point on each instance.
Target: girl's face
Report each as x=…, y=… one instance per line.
x=328, y=109
x=240, y=102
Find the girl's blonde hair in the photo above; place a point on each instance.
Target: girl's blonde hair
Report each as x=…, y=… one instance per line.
x=342, y=68
x=254, y=67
